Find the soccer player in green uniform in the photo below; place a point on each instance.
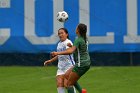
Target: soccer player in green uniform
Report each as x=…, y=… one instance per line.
x=82, y=58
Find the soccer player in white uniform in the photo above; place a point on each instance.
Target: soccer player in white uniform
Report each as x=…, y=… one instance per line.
x=65, y=62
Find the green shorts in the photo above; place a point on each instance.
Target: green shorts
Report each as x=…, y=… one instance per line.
x=80, y=70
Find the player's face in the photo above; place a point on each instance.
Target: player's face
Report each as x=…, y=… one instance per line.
x=77, y=32
x=62, y=35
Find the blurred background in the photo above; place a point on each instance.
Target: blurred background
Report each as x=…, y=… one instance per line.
x=28, y=30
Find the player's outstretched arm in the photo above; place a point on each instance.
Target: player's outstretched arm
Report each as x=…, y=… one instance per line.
x=51, y=60
x=66, y=52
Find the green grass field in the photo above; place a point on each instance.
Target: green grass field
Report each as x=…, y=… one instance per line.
x=42, y=80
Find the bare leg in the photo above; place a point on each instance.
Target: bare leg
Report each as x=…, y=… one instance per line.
x=60, y=80
x=76, y=85
x=60, y=84
x=73, y=78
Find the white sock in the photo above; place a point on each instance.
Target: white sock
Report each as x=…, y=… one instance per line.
x=74, y=89
x=61, y=90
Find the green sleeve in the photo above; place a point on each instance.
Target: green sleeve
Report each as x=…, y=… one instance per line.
x=76, y=43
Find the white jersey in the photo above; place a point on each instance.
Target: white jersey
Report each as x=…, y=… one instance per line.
x=64, y=61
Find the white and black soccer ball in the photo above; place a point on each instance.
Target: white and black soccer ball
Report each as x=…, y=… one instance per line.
x=62, y=16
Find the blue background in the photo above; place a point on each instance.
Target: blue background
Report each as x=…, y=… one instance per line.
x=105, y=15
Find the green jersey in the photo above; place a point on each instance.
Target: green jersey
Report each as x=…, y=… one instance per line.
x=81, y=54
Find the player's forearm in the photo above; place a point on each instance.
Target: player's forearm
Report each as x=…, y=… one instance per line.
x=66, y=52
x=54, y=59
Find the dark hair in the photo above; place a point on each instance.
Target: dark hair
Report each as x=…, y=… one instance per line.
x=82, y=28
x=65, y=30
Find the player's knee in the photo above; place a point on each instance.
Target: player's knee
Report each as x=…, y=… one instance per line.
x=65, y=82
x=60, y=84
x=60, y=81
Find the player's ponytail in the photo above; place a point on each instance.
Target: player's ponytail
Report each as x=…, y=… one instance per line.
x=82, y=28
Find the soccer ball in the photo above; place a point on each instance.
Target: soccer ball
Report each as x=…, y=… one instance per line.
x=62, y=16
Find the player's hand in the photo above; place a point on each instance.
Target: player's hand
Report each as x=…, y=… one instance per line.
x=69, y=45
x=54, y=54
x=47, y=62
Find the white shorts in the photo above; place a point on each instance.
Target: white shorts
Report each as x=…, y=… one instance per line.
x=61, y=72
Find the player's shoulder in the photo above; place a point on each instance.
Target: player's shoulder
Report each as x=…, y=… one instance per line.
x=59, y=42
x=68, y=41
x=78, y=39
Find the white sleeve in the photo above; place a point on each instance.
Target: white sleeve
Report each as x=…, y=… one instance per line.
x=69, y=41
